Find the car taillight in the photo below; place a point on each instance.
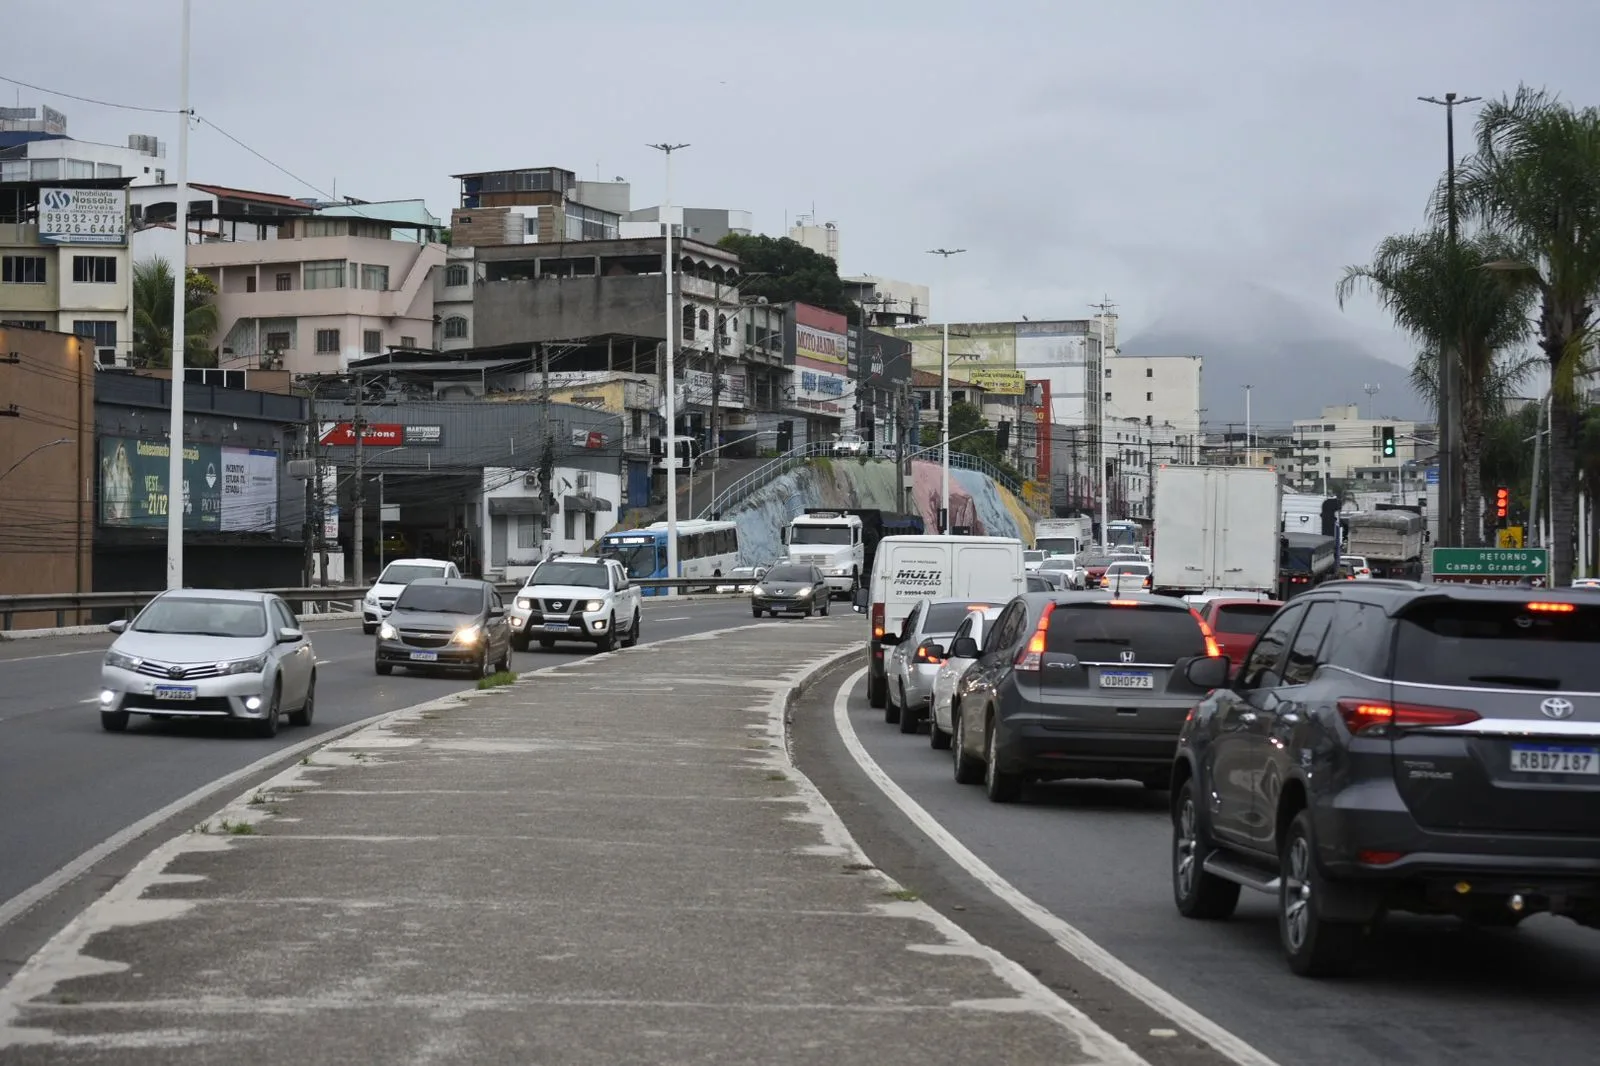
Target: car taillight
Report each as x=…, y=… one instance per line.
x=1146, y=582
x=1553, y=608
x=925, y=654
x=1031, y=657
x=1364, y=714
x=877, y=621
x=1213, y=649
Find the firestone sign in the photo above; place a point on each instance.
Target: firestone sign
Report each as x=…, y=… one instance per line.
x=380, y=434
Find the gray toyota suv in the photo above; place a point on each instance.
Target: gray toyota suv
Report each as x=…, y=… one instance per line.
x=1394, y=745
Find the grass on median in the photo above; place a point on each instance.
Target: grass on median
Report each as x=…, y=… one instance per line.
x=495, y=680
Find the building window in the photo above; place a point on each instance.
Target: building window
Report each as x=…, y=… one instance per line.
x=1108, y=397
x=722, y=326
x=408, y=342
x=688, y=322
x=372, y=341
x=278, y=342
x=528, y=529
x=94, y=269
x=23, y=323
x=571, y=518
x=588, y=527
x=327, y=342
x=1149, y=371
x=375, y=278
x=455, y=274
x=324, y=274
x=1108, y=371
x=455, y=328
x=705, y=319
x=161, y=176
x=22, y=270
x=1149, y=397
x=250, y=283
x=285, y=282
x=104, y=334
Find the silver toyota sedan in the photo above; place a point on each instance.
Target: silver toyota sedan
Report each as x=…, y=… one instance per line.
x=210, y=653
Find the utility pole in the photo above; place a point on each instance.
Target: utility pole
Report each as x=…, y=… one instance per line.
x=359, y=492
x=668, y=377
x=1105, y=312
x=1249, y=437
x=308, y=561
x=944, y=406
x=1449, y=407
x=180, y=278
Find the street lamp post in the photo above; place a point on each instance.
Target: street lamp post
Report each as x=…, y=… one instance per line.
x=944, y=412
x=32, y=452
x=669, y=379
x=180, y=276
x=1249, y=438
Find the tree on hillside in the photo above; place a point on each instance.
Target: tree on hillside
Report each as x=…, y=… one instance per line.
x=970, y=434
x=1533, y=177
x=152, y=316
x=1448, y=299
x=789, y=271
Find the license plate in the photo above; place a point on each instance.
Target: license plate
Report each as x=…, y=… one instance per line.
x=173, y=692
x=556, y=627
x=1126, y=679
x=1555, y=760
x=424, y=656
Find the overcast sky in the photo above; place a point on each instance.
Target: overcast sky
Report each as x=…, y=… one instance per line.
x=1160, y=152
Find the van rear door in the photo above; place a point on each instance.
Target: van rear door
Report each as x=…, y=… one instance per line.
x=987, y=571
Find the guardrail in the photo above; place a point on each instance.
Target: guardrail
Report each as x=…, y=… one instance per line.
x=126, y=603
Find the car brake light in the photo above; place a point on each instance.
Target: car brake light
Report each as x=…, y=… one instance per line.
x=1379, y=858
x=925, y=656
x=1363, y=714
x=1553, y=608
x=877, y=621
x=1031, y=657
x=1122, y=603
x=1213, y=649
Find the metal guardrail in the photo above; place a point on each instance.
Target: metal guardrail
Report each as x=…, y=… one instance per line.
x=125, y=603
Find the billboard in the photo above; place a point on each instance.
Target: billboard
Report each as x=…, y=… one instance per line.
x=249, y=490
x=998, y=382
x=379, y=434
x=83, y=216
x=1058, y=352
x=820, y=391
x=133, y=484
x=821, y=338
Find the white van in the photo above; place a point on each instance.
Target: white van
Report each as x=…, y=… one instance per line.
x=908, y=569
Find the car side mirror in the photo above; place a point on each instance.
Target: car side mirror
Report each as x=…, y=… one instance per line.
x=119, y=626
x=964, y=648
x=290, y=635
x=1209, y=671
x=859, y=601
x=497, y=612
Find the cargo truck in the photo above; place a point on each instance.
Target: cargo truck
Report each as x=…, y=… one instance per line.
x=1216, y=530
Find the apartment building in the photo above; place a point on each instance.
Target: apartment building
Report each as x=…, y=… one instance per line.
x=1158, y=389
x=540, y=205
x=64, y=261
x=1341, y=442
x=35, y=146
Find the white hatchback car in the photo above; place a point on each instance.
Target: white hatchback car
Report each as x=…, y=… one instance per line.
x=975, y=625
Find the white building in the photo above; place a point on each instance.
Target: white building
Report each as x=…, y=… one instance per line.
x=34, y=148
x=1160, y=389
x=886, y=301
x=823, y=239
x=1341, y=442
x=453, y=282
x=708, y=225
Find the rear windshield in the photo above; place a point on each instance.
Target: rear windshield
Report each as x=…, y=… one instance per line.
x=1128, y=568
x=944, y=617
x=1499, y=644
x=1243, y=620
x=406, y=573
x=1101, y=633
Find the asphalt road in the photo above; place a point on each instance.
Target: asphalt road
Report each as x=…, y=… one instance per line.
x=1096, y=855
x=66, y=786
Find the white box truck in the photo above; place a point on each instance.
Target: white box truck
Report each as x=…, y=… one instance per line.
x=1216, y=530
x=833, y=542
x=1063, y=536
x=908, y=569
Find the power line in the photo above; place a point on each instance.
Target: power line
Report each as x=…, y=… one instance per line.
x=89, y=99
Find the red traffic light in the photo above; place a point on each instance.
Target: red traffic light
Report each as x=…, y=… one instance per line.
x=1502, y=502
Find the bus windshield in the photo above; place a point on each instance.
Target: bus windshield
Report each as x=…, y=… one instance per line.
x=639, y=560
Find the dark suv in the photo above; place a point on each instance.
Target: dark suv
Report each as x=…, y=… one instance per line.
x=1394, y=745
x=1076, y=685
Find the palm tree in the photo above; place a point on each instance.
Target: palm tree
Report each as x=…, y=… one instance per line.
x=1535, y=176
x=1446, y=298
x=152, y=316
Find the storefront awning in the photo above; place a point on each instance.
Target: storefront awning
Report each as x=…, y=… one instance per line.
x=584, y=503
x=503, y=505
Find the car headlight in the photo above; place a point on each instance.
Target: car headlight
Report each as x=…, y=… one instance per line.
x=122, y=660
x=805, y=592
x=595, y=605
x=387, y=631
x=469, y=634
x=372, y=601
x=758, y=591
x=524, y=603
x=244, y=666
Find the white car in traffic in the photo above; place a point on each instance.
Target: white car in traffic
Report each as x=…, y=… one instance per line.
x=379, y=601
x=940, y=721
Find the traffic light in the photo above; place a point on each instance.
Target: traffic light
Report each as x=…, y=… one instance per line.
x=1388, y=442
x=1002, y=435
x=1502, y=502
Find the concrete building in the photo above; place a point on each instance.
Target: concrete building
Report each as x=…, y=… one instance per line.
x=64, y=261
x=47, y=459
x=823, y=239
x=1342, y=442
x=542, y=205
x=1163, y=389
x=708, y=225
x=453, y=289
x=886, y=302
x=35, y=146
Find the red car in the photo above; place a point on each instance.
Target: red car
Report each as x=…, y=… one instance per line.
x=1237, y=623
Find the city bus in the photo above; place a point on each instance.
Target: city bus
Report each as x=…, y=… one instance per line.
x=705, y=549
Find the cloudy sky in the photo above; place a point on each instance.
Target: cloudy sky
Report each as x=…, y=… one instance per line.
x=1166, y=153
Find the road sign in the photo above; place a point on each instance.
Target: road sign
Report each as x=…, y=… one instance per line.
x=1509, y=537
x=1433, y=475
x=1491, y=566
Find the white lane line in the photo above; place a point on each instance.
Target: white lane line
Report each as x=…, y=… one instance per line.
x=324, y=662
x=674, y=618
x=1067, y=936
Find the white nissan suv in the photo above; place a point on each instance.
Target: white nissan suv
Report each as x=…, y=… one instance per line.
x=577, y=598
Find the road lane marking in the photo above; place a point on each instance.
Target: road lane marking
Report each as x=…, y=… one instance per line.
x=674, y=618
x=1067, y=936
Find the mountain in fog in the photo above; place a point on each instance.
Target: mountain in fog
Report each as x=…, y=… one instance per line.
x=1297, y=361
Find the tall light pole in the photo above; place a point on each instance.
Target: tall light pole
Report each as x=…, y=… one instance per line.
x=944, y=406
x=1249, y=438
x=1449, y=373
x=669, y=378
x=1105, y=308
x=180, y=277
x=34, y=451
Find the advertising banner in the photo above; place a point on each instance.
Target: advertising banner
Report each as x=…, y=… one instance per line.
x=821, y=336
x=249, y=490
x=83, y=216
x=998, y=382
x=133, y=484
x=817, y=391
x=696, y=388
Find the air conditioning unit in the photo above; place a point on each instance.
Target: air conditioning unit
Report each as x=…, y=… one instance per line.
x=105, y=356
x=531, y=479
x=583, y=485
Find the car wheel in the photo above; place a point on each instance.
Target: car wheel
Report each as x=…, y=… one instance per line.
x=938, y=739
x=609, y=641
x=968, y=770
x=383, y=669
x=266, y=727
x=998, y=786
x=891, y=710
x=369, y=628
x=632, y=639
x=877, y=690
x=755, y=612
x=1197, y=893
x=307, y=710
x=827, y=604
x=483, y=667
x=1313, y=946
x=807, y=612
x=503, y=665
x=113, y=721
x=909, y=719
